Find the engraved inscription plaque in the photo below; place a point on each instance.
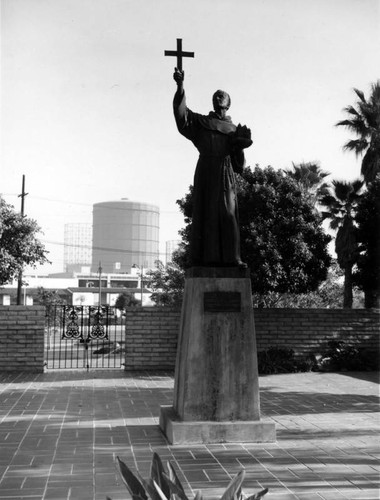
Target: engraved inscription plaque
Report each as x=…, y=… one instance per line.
x=222, y=301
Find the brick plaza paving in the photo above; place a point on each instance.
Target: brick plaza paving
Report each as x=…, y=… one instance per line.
x=61, y=431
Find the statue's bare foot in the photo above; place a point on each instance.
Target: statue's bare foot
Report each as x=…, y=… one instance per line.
x=241, y=265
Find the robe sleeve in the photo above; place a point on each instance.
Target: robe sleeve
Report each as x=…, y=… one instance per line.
x=238, y=160
x=184, y=117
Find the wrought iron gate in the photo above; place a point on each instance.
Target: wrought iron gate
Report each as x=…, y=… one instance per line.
x=84, y=337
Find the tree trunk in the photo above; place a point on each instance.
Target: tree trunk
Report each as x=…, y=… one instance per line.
x=371, y=299
x=347, y=297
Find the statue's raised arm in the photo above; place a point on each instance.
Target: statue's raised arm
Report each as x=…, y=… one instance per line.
x=179, y=77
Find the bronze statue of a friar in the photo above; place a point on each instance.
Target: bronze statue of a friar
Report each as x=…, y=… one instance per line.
x=215, y=235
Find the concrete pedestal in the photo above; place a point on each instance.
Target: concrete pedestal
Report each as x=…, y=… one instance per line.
x=178, y=431
x=216, y=392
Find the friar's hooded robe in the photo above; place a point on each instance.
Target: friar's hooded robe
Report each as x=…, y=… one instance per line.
x=215, y=238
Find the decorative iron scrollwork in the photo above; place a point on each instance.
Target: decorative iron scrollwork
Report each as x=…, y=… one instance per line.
x=98, y=330
x=74, y=327
x=72, y=330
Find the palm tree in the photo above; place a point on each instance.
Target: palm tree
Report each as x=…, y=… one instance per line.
x=342, y=203
x=367, y=275
x=310, y=178
x=365, y=123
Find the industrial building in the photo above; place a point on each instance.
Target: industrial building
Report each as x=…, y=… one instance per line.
x=125, y=234
x=79, y=289
x=123, y=243
x=77, y=246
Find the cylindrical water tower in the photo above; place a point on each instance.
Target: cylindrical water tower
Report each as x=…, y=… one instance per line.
x=125, y=233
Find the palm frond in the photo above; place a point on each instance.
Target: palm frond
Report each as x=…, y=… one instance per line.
x=342, y=190
x=133, y=485
x=357, y=125
x=234, y=486
x=364, y=121
x=310, y=178
x=360, y=94
x=165, y=485
x=198, y=495
x=357, y=186
x=370, y=165
x=160, y=492
x=345, y=123
x=328, y=200
x=370, y=112
x=176, y=490
x=375, y=93
x=258, y=495
x=356, y=145
x=351, y=110
x=149, y=487
x=157, y=473
x=341, y=202
x=174, y=479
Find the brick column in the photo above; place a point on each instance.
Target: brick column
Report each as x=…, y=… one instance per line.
x=22, y=338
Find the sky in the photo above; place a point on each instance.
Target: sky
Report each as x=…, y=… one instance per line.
x=86, y=95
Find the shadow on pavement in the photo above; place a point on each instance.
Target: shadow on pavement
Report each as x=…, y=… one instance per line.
x=367, y=376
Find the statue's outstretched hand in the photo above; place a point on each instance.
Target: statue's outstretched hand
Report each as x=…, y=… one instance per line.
x=178, y=76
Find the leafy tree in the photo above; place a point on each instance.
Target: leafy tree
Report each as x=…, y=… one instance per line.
x=281, y=234
x=282, y=239
x=181, y=257
x=342, y=204
x=126, y=299
x=364, y=122
x=49, y=297
x=167, y=283
x=19, y=245
x=367, y=276
x=327, y=296
x=310, y=178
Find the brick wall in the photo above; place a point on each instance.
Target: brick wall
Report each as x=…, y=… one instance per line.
x=22, y=338
x=151, y=333
x=308, y=330
x=151, y=338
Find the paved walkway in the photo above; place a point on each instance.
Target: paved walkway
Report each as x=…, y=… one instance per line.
x=60, y=433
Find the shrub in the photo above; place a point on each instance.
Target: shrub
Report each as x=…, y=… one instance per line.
x=282, y=360
x=165, y=485
x=341, y=356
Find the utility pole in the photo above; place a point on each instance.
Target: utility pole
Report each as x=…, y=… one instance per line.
x=142, y=282
x=100, y=283
x=19, y=284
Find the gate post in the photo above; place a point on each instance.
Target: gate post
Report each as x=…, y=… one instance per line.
x=22, y=338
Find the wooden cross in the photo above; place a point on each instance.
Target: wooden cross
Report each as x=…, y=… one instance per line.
x=179, y=54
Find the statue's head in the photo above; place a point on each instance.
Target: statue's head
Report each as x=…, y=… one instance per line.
x=221, y=100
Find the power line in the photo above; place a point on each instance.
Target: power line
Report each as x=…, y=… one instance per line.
x=92, y=204
x=104, y=249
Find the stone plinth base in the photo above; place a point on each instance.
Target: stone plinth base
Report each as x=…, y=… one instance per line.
x=183, y=432
x=216, y=370
x=216, y=385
